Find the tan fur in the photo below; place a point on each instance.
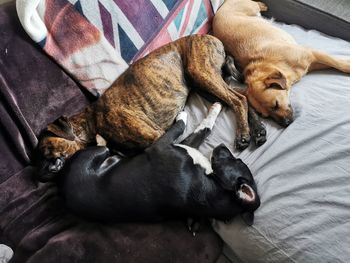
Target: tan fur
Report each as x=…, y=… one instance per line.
x=270, y=58
x=144, y=101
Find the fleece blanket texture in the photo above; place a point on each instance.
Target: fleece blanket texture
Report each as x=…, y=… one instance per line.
x=94, y=40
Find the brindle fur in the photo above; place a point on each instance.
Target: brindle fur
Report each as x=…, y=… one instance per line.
x=144, y=101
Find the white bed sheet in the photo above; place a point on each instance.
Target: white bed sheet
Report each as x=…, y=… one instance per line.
x=302, y=172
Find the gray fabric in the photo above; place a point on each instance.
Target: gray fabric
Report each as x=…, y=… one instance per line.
x=228, y=256
x=338, y=8
x=302, y=172
x=329, y=17
x=221, y=259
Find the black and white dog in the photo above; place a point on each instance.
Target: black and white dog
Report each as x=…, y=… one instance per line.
x=166, y=181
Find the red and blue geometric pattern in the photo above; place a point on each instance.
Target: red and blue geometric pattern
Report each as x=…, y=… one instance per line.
x=189, y=17
x=96, y=40
x=136, y=27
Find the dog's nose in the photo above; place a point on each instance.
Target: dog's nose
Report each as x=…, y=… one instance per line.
x=286, y=122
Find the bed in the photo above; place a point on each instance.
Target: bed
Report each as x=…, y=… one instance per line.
x=302, y=171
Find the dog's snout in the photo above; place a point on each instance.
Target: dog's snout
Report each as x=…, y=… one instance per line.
x=285, y=122
x=286, y=119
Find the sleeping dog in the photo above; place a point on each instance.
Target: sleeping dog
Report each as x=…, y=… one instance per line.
x=269, y=57
x=167, y=180
x=144, y=101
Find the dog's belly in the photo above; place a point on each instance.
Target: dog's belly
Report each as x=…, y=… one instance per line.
x=161, y=87
x=169, y=106
x=144, y=101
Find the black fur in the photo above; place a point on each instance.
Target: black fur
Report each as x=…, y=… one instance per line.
x=160, y=183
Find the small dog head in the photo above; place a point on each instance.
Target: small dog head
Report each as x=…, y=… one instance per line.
x=234, y=175
x=268, y=93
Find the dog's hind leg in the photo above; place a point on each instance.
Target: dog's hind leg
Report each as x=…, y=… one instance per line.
x=204, y=129
x=325, y=61
x=256, y=126
x=128, y=129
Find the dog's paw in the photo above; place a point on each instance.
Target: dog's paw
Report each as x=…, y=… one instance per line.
x=193, y=225
x=231, y=71
x=215, y=108
x=48, y=169
x=100, y=141
x=242, y=142
x=182, y=116
x=263, y=7
x=259, y=135
x=56, y=166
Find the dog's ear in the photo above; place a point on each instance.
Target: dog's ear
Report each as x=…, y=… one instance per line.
x=62, y=128
x=276, y=80
x=219, y=159
x=221, y=152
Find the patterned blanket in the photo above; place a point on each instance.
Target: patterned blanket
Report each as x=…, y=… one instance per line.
x=95, y=40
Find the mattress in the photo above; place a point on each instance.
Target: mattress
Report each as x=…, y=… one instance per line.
x=302, y=171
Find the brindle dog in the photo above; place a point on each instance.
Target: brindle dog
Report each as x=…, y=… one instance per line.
x=144, y=101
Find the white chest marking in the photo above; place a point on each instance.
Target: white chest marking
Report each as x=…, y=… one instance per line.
x=197, y=157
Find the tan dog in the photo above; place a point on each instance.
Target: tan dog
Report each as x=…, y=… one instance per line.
x=270, y=58
x=144, y=101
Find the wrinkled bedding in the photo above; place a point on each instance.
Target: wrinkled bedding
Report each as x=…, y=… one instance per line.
x=302, y=172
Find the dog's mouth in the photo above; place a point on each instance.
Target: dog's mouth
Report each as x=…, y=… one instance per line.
x=246, y=193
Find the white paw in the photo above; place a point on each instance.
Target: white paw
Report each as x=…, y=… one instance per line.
x=216, y=108
x=209, y=121
x=182, y=116
x=100, y=141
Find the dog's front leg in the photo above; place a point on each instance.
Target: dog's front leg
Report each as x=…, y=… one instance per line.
x=239, y=104
x=205, y=71
x=256, y=126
